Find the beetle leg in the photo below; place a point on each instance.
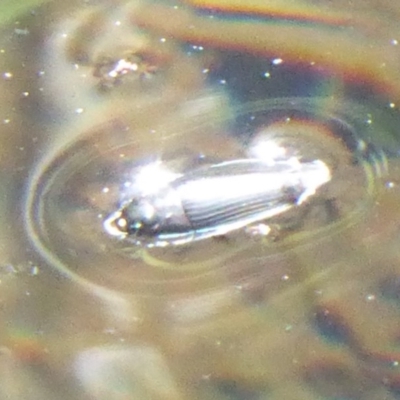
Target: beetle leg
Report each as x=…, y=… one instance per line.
x=315, y=214
x=221, y=238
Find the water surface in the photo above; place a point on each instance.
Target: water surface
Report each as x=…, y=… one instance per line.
x=90, y=92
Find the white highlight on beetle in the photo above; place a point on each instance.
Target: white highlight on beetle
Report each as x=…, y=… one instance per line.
x=313, y=175
x=293, y=173
x=115, y=226
x=153, y=177
x=269, y=151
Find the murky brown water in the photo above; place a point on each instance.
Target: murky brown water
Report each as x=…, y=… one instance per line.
x=300, y=305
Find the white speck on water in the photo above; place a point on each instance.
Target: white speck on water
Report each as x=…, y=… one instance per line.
x=7, y=75
x=390, y=185
x=35, y=270
x=110, y=331
x=21, y=32
x=277, y=61
x=371, y=297
x=288, y=328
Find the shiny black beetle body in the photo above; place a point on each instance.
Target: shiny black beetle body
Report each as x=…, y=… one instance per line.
x=216, y=199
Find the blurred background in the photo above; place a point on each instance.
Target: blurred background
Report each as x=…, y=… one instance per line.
x=91, y=90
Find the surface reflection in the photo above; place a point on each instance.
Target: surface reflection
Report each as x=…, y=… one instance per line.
x=274, y=132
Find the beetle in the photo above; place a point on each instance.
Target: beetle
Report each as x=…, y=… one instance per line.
x=215, y=200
